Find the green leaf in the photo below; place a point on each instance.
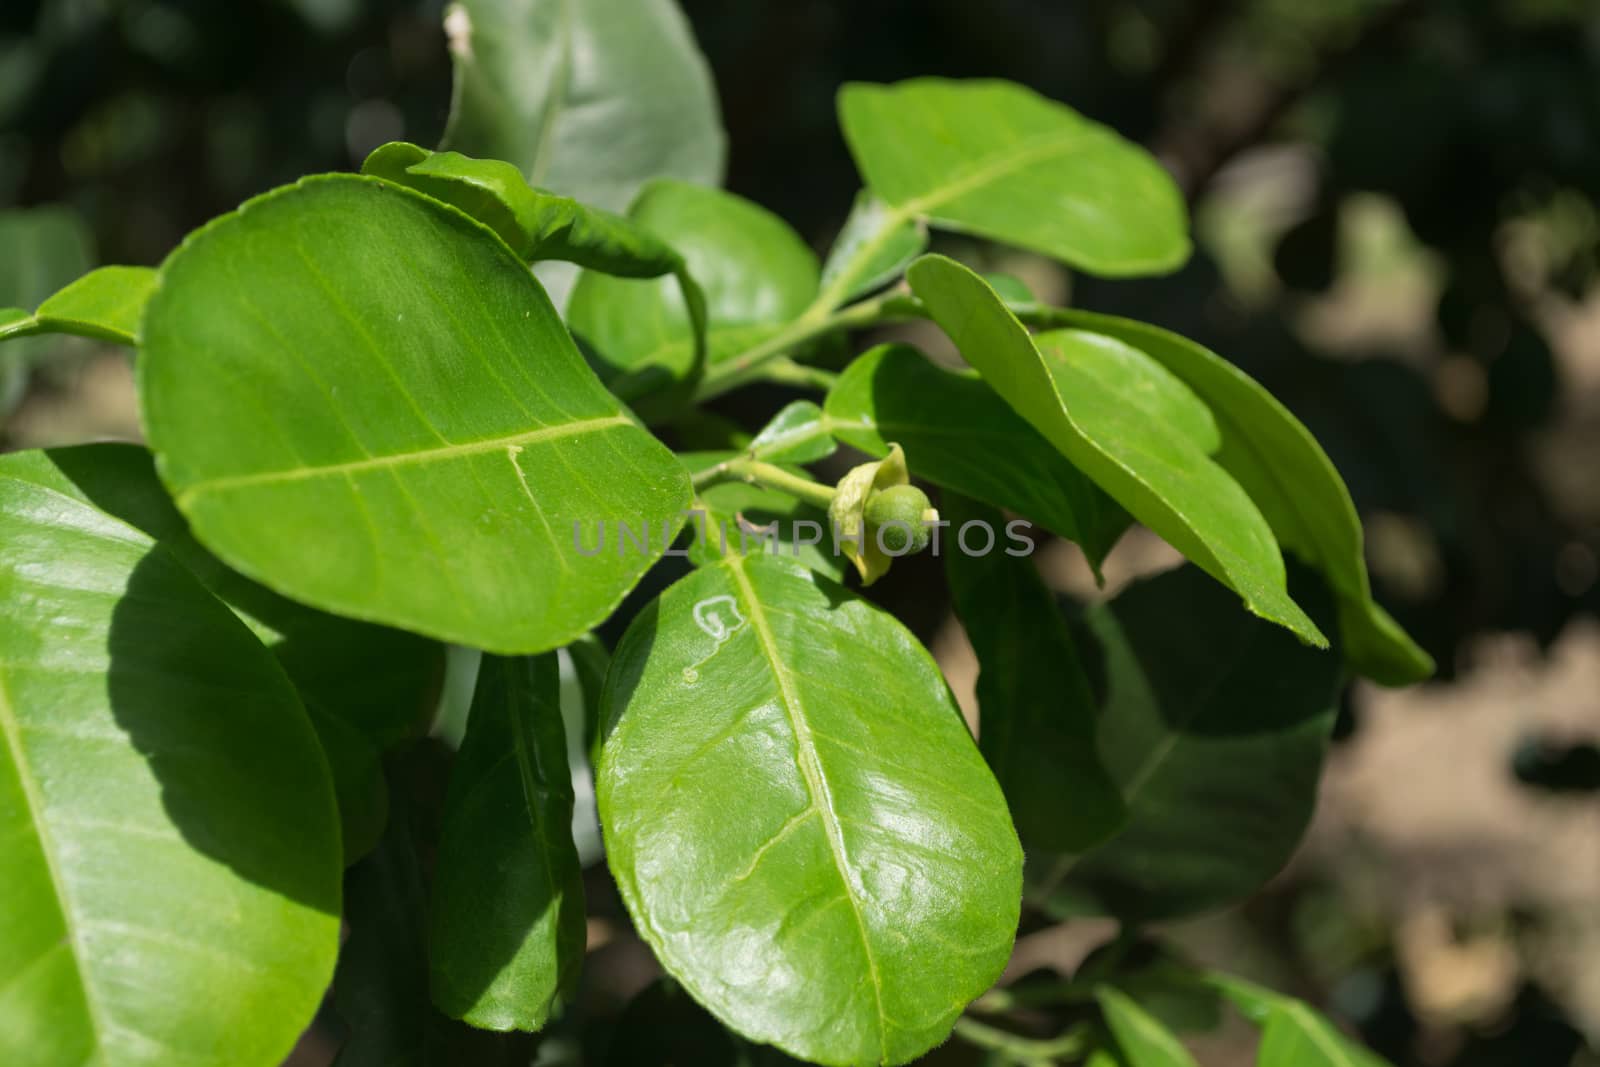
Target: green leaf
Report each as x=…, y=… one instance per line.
x=1128, y=424
x=1143, y=1041
x=165, y=808
x=1289, y=477
x=1293, y=1033
x=756, y=273
x=1296, y=1036
x=800, y=433
x=1000, y=161
x=737, y=513
x=1214, y=724
x=365, y=687
x=104, y=304
x=46, y=247
x=958, y=434
x=588, y=99
x=350, y=365
x=1254, y=1002
x=873, y=249
x=1011, y=289
x=381, y=987
x=868, y=888
x=1036, y=710
x=536, y=224
x=506, y=934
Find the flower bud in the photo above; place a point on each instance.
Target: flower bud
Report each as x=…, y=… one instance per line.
x=900, y=516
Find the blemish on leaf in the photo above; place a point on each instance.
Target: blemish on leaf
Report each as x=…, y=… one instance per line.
x=708, y=615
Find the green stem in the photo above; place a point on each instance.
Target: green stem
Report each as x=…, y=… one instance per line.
x=816, y=322
x=786, y=371
x=695, y=301
x=1027, y=1050
x=765, y=474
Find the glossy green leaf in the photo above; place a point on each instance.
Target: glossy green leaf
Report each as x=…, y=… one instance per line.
x=740, y=519
x=873, y=249
x=868, y=887
x=756, y=274
x=44, y=249
x=1289, y=477
x=1000, y=161
x=1214, y=725
x=1129, y=425
x=1141, y=1038
x=958, y=434
x=800, y=433
x=164, y=805
x=364, y=687
x=589, y=99
x=506, y=931
x=350, y=365
x=1036, y=711
x=104, y=304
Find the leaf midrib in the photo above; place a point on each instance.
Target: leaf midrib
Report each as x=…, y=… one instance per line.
x=12, y=731
x=897, y=215
x=816, y=781
x=1027, y=154
x=400, y=459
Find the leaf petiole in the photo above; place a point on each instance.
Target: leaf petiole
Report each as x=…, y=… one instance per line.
x=816, y=322
x=1019, y=1049
x=766, y=474
x=786, y=371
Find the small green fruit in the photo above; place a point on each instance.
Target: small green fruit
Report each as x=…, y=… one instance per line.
x=905, y=507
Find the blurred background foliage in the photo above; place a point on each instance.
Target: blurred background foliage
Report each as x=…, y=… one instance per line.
x=1398, y=211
